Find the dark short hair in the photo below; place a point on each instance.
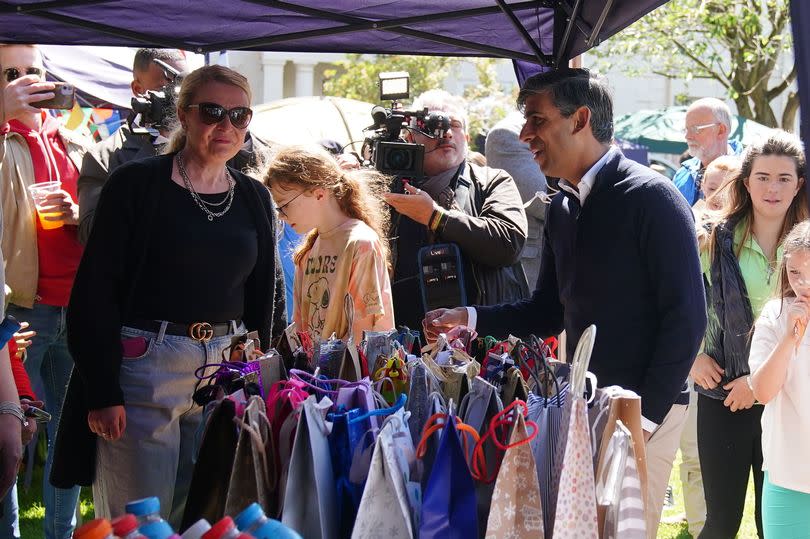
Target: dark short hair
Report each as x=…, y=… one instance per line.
x=570, y=89
x=144, y=57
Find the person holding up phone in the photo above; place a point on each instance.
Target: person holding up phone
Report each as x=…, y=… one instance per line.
x=43, y=252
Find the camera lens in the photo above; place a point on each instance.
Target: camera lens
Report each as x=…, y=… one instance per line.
x=399, y=160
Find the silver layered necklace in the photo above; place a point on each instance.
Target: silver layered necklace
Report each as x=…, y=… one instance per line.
x=204, y=205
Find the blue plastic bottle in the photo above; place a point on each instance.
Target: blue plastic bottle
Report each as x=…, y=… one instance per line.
x=252, y=520
x=146, y=510
x=158, y=529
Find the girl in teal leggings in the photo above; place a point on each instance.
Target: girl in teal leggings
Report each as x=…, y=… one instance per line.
x=780, y=363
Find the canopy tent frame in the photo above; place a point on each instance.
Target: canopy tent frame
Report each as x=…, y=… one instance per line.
x=567, y=20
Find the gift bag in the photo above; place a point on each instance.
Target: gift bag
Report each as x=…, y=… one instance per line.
x=618, y=490
x=309, y=497
x=576, y=494
x=478, y=408
x=548, y=414
x=436, y=406
x=449, y=501
x=208, y=492
x=387, y=506
x=516, y=511
x=343, y=439
x=253, y=477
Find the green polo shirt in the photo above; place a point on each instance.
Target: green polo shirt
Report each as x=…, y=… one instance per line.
x=760, y=279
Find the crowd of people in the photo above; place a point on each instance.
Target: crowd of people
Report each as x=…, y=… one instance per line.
x=183, y=237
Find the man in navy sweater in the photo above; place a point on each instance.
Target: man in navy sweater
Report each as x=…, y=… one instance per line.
x=619, y=251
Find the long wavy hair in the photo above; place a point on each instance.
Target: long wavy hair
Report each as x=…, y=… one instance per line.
x=357, y=192
x=740, y=208
x=798, y=239
x=188, y=90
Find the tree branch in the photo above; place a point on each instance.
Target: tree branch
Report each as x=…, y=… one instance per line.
x=721, y=78
x=782, y=86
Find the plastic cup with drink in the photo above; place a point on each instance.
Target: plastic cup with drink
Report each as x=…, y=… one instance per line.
x=39, y=193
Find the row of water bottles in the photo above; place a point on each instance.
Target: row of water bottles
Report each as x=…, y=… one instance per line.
x=143, y=521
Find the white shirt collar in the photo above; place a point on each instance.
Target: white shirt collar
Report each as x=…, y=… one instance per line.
x=583, y=189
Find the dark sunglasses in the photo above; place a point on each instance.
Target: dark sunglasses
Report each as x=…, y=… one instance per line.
x=211, y=113
x=12, y=73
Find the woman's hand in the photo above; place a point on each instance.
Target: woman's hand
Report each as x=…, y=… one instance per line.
x=798, y=315
x=109, y=423
x=706, y=372
x=10, y=451
x=29, y=431
x=23, y=339
x=741, y=397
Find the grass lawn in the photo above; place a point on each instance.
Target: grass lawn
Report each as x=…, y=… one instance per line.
x=748, y=529
x=32, y=512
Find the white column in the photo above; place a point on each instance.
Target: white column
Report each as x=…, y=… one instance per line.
x=273, y=69
x=304, y=79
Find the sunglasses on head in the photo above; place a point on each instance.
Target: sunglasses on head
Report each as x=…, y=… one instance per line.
x=211, y=113
x=12, y=73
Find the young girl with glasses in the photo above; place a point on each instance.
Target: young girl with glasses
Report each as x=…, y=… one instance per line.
x=344, y=253
x=780, y=366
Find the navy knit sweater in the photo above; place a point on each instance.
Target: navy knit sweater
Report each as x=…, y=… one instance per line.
x=628, y=262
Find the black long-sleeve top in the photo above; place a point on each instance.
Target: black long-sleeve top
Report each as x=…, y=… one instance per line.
x=628, y=262
x=125, y=229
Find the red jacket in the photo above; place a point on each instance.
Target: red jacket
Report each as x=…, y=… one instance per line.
x=21, y=379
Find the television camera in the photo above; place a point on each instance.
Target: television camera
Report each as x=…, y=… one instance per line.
x=390, y=153
x=156, y=108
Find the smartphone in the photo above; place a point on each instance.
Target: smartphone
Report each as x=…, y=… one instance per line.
x=64, y=97
x=39, y=415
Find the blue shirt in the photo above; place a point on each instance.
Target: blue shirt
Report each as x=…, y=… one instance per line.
x=287, y=243
x=685, y=177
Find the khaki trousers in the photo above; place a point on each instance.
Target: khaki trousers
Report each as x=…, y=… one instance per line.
x=694, y=501
x=661, y=449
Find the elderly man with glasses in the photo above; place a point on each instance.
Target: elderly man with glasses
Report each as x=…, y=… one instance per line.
x=42, y=254
x=708, y=125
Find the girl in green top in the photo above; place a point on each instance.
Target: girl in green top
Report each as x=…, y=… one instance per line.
x=740, y=253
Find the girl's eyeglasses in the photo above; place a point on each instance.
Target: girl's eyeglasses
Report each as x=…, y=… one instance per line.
x=281, y=208
x=211, y=113
x=12, y=73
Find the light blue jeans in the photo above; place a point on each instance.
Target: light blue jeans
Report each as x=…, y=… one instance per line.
x=48, y=364
x=154, y=457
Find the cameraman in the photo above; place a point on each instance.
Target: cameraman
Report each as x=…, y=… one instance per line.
x=132, y=141
x=480, y=209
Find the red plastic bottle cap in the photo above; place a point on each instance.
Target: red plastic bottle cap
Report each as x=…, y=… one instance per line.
x=99, y=528
x=219, y=529
x=124, y=525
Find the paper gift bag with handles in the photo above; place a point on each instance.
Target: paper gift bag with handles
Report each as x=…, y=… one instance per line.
x=254, y=476
x=516, y=510
x=310, y=505
x=390, y=497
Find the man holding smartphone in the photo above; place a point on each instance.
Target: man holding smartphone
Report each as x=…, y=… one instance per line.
x=43, y=251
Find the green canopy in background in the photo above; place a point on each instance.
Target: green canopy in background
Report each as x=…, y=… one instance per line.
x=662, y=130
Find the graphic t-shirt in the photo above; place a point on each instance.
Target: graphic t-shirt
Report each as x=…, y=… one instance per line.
x=345, y=261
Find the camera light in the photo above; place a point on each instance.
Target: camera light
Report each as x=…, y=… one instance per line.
x=394, y=85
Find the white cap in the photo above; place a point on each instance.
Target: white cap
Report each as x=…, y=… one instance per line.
x=197, y=529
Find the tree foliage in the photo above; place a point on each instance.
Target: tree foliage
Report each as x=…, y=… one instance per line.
x=356, y=78
x=739, y=43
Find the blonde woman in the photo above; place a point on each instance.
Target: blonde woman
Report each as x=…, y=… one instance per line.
x=181, y=256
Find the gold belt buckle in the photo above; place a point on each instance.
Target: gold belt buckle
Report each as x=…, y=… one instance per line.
x=201, y=331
